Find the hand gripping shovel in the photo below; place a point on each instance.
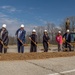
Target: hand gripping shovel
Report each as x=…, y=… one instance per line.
x=22, y=43
x=3, y=44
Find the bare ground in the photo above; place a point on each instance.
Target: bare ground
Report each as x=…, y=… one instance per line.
x=38, y=55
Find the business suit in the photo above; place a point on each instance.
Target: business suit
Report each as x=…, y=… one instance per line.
x=4, y=37
x=45, y=42
x=20, y=36
x=67, y=37
x=33, y=46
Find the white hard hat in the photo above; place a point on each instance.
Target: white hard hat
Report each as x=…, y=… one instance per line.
x=59, y=31
x=34, y=30
x=68, y=30
x=4, y=25
x=22, y=25
x=45, y=30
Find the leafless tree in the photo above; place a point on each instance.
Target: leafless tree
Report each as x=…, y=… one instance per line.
x=40, y=30
x=12, y=40
x=72, y=22
x=51, y=31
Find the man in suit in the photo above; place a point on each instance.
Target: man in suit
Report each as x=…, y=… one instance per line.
x=33, y=39
x=67, y=37
x=46, y=41
x=3, y=38
x=20, y=34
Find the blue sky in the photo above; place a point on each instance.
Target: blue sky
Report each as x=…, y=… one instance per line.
x=34, y=13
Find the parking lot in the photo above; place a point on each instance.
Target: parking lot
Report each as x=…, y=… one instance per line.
x=52, y=66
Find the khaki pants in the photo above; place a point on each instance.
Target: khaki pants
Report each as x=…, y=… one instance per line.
x=59, y=47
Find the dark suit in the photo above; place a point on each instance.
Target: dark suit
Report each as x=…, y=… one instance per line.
x=45, y=42
x=33, y=46
x=5, y=39
x=68, y=40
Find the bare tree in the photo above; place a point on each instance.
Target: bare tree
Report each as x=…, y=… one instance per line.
x=40, y=30
x=51, y=31
x=72, y=23
x=12, y=40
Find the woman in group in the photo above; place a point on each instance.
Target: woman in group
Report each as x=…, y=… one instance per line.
x=59, y=41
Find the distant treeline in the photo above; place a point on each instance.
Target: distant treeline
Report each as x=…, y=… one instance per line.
x=52, y=31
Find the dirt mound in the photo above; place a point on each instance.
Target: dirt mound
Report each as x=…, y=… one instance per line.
x=30, y=56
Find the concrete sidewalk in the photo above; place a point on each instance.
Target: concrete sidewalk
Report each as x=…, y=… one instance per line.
x=52, y=66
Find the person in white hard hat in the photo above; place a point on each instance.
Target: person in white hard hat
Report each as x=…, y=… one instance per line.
x=20, y=33
x=33, y=39
x=4, y=26
x=67, y=37
x=46, y=41
x=59, y=41
x=68, y=31
x=4, y=38
x=45, y=30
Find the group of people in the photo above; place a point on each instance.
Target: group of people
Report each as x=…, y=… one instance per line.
x=20, y=34
x=21, y=41
x=64, y=39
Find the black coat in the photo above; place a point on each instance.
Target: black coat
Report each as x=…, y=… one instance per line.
x=45, y=38
x=4, y=36
x=34, y=38
x=69, y=37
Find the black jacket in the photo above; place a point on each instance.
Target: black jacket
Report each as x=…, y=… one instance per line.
x=69, y=37
x=45, y=38
x=34, y=38
x=4, y=36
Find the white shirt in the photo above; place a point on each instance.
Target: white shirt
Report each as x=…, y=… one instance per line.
x=19, y=33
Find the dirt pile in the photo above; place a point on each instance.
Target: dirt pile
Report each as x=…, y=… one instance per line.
x=30, y=56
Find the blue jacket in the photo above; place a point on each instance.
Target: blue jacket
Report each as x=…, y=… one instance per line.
x=22, y=35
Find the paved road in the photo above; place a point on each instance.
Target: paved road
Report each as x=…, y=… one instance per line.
x=52, y=66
